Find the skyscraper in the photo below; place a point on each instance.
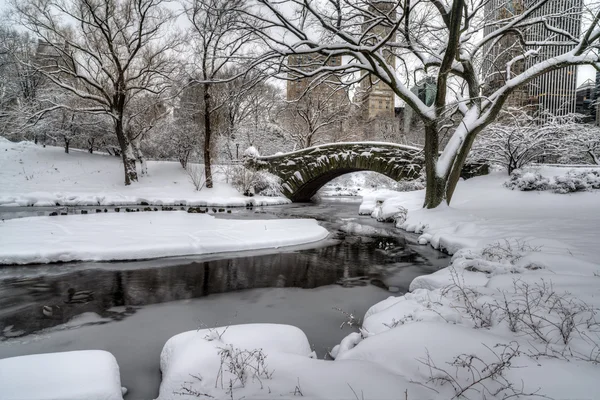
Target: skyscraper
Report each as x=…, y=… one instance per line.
x=500, y=52
x=553, y=92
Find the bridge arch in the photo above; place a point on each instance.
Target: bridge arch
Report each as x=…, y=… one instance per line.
x=305, y=171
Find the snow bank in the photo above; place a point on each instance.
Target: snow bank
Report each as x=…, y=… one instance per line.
x=32, y=175
x=129, y=236
x=264, y=361
x=74, y=375
x=512, y=251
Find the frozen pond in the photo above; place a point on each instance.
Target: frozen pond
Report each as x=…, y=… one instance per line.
x=136, y=306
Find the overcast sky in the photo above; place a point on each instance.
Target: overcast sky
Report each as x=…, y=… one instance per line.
x=585, y=72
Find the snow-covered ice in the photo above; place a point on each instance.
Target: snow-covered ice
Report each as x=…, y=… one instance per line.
x=32, y=175
x=73, y=375
x=130, y=236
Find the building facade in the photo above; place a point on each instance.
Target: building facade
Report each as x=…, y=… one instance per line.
x=499, y=53
x=321, y=87
x=585, y=103
x=553, y=92
x=377, y=98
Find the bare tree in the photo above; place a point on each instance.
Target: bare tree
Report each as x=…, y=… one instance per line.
x=19, y=82
x=445, y=40
x=314, y=117
x=582, y=144
x=217, y=43
x=520, y=139
x=106, y=52
x=144, y=113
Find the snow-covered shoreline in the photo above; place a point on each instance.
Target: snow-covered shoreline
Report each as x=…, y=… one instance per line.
x=521, y=294
x=32, y=175
x=135, y=236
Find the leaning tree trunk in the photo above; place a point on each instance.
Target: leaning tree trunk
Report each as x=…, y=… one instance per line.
x=126, y=153
x=207, y=139
x=140, y=157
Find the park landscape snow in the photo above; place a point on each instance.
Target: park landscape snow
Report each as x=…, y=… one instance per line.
x=33, y=175
x=515, y=314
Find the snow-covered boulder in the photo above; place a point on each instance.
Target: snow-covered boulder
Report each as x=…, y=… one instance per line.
x=268, y=361
x=73, y=375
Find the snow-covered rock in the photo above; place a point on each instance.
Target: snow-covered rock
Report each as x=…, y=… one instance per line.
x=266, y=361
x=74, y=375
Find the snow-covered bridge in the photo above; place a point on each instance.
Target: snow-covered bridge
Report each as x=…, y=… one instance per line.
x=305, y=171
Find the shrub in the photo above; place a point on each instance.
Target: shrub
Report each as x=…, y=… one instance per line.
x=577, y=181
x=251, y=182
x=267, y=184
x=527, y=181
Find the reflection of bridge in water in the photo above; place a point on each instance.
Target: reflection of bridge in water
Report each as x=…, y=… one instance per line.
x=305, y=171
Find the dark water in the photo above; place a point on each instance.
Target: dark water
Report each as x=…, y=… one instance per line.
x=136, y=306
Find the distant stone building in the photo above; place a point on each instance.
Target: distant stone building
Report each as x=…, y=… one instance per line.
x=375, y=97
x=324, y=87
x=51, y=58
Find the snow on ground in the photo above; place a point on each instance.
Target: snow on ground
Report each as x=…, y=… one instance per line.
x=32, y=175
x=129, y=236
x=264, y=361
x=516, y=312
x=73, y=375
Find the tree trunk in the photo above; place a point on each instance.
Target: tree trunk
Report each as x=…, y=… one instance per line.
x=435, y=189
x=67, y=146
x=126, y=153
x=91, y=145
x=207, y=139
x=140, y=157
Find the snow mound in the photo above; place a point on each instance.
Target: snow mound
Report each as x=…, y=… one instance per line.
x=266, y=361
x=74, y=375
x=131, y=236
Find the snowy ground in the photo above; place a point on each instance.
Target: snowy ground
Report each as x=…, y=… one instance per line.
x=129, y=236
x=521, y=296
x=32, y=175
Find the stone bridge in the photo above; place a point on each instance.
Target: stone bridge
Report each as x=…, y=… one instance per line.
x=305, y=171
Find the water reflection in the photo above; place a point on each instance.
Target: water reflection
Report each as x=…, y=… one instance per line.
x=33, y=303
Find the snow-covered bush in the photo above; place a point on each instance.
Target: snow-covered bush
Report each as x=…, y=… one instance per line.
x=415, y=184
x=577, y=181
x=251, y=182
x=267, y=184
x=569, y=184
x=527, y=181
